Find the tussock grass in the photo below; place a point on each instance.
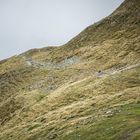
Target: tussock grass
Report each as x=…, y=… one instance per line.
x=76, y=102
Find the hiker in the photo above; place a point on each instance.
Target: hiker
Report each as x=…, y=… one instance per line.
x=99, y=71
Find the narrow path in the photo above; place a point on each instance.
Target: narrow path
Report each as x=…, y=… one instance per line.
x=67, y=62
x=31, y=62
x=114, y=71
x=50, y=65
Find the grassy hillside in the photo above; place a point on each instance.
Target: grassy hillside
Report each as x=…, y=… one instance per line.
x=87, y=89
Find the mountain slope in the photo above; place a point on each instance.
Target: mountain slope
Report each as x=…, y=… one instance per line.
x=87, y=89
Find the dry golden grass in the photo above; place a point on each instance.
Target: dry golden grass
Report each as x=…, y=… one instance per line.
x=74, y=101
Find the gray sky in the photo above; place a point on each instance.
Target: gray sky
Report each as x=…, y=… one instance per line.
x=26, y=24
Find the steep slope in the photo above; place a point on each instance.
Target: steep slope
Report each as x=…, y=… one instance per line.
x=86, y=89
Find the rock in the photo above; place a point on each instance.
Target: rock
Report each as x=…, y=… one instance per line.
x=109, y=113
x=52, y=136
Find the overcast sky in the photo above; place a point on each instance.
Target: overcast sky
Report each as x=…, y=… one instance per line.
x=26, y=24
